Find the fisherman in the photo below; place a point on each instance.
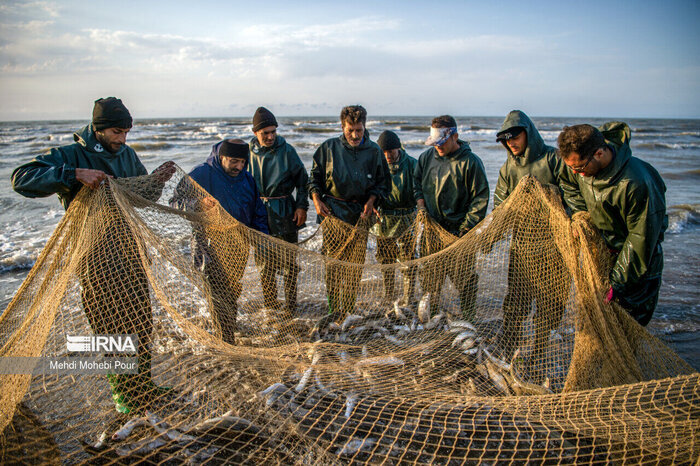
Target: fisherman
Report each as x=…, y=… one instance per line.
x=222, y=254
x=114, y=286
x=349, y=177
x=278, y=171
x=625, y=198
x=450, y=183
x=397, y=212
x=528, y=155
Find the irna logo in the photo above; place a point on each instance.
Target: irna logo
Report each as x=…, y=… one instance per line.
x=101, y=344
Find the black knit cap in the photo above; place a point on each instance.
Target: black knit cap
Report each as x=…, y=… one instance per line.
x=509, y=133
x=110, y=112
x=388, y=140
x=233, y=148
x=262, y=119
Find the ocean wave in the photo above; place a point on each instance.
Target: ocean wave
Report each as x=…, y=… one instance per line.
x=683, y=217
x=425, y=128
x=688, y=174
x=316, y=129
x=152, y=146
x=664, y=145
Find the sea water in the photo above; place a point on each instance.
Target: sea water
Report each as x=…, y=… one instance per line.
x=671, y=146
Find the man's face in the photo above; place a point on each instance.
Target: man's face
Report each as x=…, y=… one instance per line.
x=391, y=155
x=584, y=167
x=232, y=165
x=448, y=146
x=518, y=144
x=353, y=132
x=112, y=139
x=266, y=136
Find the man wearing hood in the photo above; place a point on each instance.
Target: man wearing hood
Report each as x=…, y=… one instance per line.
x=278, y=171
x=528, y=155
x=114, y=286
x=222, y=255
x=397, y=212
x=349, y=177
x=450, y=183
x=626, y=199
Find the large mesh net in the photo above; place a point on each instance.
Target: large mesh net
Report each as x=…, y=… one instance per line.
x=422, y=347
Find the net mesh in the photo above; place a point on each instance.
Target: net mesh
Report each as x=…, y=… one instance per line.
x=344, y=348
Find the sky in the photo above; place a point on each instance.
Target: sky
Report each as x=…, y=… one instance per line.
x=218, y=59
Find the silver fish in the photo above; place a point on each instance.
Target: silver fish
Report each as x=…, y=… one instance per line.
x=126, y=429
x=498, y=362
x=349, y=321
x=141, y=447
x=273, y=392
x=424, y=308
x=462, y=336
x=381, y=360
x=462, y=324
x=398, y=312
x=350, y=404
x=435, y=321
x=163, y=428
x=102, y=441
x=355, y=445
x=497, y=378
x=304, y=379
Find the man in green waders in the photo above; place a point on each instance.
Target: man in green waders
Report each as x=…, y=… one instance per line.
x=349, y=177
x=528, y=155
x=450, y=183
x=278, y=172
x=114, y=293
x=626, y=199
x=396, y=213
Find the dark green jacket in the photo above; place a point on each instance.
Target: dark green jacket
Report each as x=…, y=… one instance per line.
x=401, y=201
x=538, y=160
x=54, y=172
x=347, y=176
x=626, y=201
x=454, y=188
x=278, y=171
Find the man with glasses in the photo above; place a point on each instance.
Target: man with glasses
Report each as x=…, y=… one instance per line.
x=625, y=197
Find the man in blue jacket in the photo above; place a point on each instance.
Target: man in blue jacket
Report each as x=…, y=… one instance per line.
x=222, y=253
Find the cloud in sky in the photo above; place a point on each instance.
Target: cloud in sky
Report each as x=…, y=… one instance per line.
x=393, y=64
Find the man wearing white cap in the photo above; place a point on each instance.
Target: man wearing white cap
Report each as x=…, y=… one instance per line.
x=450, y=183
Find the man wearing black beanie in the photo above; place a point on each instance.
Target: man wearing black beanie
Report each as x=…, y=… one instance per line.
x=221, y=254
x=278, y=172
x=396, y=213
x=114, y=293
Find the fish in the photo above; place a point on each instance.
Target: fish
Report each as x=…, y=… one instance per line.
x=434, y=322
x=424, y=308
x=356, y=445
x=462, y=336
x=349, y=321
x=350, y=403
x=469, y=344
x=498, y=362
x=126, y=429
x=496, y=377
x=304, y=380
x=454, y=324
x=163, y=428
x=274, y=391
x=101, y=441
x=141, y=447
x=398, y=313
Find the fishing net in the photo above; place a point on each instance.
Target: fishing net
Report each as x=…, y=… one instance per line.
x=347, y=347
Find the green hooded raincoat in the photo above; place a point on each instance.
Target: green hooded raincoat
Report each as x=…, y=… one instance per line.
x=454, y=188
x=278, y=171
x=627, y=203
x=538, y=160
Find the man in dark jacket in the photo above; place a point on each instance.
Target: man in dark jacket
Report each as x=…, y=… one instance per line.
x=222, y=254
x=349, y=176
x=278, y=171
x=450, y=183
x=397, y=212
x=625, y=198
x=114, y=286
x=528, y=155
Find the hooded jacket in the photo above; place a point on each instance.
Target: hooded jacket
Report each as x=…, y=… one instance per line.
x=538, y=160
x=238, y=195
x=627, y=203
x=401, y=200
x=54, y=172
x=346, y=176
x=278, y=171
x=454, y=187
